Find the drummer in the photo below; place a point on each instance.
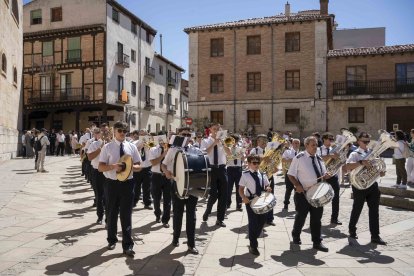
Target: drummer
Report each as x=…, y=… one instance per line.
x=167, y=167
x=306, y=170
x=252, y=183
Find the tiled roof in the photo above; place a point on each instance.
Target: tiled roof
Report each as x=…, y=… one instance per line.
x=295, y=17
x=166, y=60
x=371, y=50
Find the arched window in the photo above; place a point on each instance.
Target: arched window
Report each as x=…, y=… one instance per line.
x=14, y=75
x=4, y=63
x=15, y=10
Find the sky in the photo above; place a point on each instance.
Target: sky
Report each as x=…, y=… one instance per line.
x=169, y=18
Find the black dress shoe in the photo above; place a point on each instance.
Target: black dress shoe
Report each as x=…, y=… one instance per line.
x=220, y=223
x=254, y=251
x=378, y=240
x=111, y=246
x=175, y=243
x=148, y=207
x=129, y=252
x=165, y=225
x=157, y=220
x=353, y=235
x=205, y=217
x=337, y=222
x=320, y=247
x=99, y=221
x=296, y=240
x=192, y=250
x=271, y=223
x=239, y=209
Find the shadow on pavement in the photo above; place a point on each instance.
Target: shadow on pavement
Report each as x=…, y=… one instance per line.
x=286, y=214
x=75, y=213
x=294, y=257
x=71, y=186
x=368, y=252
x=329, y=231
x=143, y=230
x=71, y=236
x=77, y=191
x=26, y=170
x=246, y=260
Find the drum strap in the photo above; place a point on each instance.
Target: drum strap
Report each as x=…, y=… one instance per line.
x=259, y=188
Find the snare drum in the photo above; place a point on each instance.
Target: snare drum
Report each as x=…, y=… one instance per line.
x=263, y=204
x=320, y=194
x=191, y=173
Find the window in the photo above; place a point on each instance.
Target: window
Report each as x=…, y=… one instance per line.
x=254, y=81
x=133, y=27
x=254, y=45
x=47, y=48
x=292, y=116
x=147, y=93
x=292, y=42
x=74, y=49
x=133, y=88
x=14, y=75
x=161, y=70
x=177, y=77
x=253, y=117
x=120, y=85
x=356, y=75
x=216, y=117
x=15, y=10
x=404, y=73
x=56, y=14
x=355, y=115
x=4, y=63
x=149, y=37
x=115, y=15
x=161, y=104
x=217, y=47
x=133, y=119
x=36, y=17
x=292, y=80
x=176, y=103
x=133, y=56
x=217, y=83
x=157, y=127
x=147, y=63
x=45, y=84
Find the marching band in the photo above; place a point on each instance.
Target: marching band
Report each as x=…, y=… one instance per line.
x=177, y=171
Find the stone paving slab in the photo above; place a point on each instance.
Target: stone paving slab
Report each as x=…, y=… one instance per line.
x=47, y=226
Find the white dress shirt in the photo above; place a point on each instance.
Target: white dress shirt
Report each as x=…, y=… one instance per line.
x=60, y=138
x=302, y=169
x=169, y=159
x=290, y=153
x=88, y=143
x=140, y=145
x=398, y=152
x=205, y=143
x=154, y=153
x=323, y=150
x=248, y=181
x=356, y=156
x=110, y=155
x=94, y=146
x=230, y=163
x=258, y=151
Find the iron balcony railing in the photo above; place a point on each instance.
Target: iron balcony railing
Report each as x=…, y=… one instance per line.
x=373, y=87
x=123, y=59
x=74, y=56
x=171, y=109
x=171, y=82
x=150, y=72
x=149, y=103
x=58, y=95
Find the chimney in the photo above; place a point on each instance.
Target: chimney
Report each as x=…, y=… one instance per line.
x=324, y=6
x=287, y=9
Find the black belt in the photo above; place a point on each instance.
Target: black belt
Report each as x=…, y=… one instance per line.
x=217, y=166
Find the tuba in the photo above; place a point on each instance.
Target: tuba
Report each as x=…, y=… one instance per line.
x=108, y=135
x=332, y=164
x=269, y=165
x=363, y=177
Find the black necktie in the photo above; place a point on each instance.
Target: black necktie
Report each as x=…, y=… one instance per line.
x=215, y=155
x=162, y=151
x=318, y=174
x=143, y=154
x=235, y=160
x=327, y=151
x=121, y=150
x=257, y=180
x=296, y=153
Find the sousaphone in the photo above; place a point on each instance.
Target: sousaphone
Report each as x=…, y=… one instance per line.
x=126, y=163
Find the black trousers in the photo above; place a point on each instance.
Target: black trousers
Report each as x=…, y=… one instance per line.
x=233, y=175
x=143, y=179
x=120, y=200
x=190, y=206
x=161, y=187
x=372, y=197
x=60, y=149
x=334, y=182
x=23, y=151
x=289, y=189
x=52, y=147
x=218, y=191
x=256, y=223
x=270, y=216
x=98, y=180
x=302, y=209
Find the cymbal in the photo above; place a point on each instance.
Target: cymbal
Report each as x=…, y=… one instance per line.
x=126, y=161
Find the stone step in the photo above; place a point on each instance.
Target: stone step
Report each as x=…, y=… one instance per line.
x=408, y=193
x=397, y=202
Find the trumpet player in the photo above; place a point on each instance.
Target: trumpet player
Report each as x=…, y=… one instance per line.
x=325, y=151
x=287, y=158
x=234, y=171
x=370, y=195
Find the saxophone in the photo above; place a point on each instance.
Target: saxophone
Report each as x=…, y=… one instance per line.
x=363, y=177
x=269, y=166
x=332, y=164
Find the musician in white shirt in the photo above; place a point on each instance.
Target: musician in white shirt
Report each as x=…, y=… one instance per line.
x=234, y=172
x=306, y=170
x=287, y=158
x=216, y=153
x=120, y=194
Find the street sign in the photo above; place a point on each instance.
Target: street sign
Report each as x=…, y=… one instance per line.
x=189, y=121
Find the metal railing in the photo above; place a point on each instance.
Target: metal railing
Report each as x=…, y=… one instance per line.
x=150, y=72
x=74, y=56
x=58, y=95
x=171, y=109
x=123, y=59
x=149, y=103
x=373, y=87
x=171, y=82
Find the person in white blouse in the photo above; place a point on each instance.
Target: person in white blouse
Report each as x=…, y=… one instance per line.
x=253, y=183
x=400, y=160
x=216, y=153
x=306, y=170
x=287, y=158
x=120, y=195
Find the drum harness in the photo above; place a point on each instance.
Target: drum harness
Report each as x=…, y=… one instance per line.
x=252, y=195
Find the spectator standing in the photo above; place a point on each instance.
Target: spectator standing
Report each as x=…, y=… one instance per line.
x=44, y=142
x=60, y=137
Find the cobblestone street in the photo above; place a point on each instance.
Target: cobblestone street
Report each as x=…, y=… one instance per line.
x=47, y=226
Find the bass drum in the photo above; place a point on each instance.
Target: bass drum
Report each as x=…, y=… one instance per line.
x=191, y=173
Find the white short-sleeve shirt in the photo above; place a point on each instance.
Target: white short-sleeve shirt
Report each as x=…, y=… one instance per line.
x=94, y=146
x=248, y=181
x=356, y=156
x=88, y=143
x=205, y=143
x=323, y=150
x=257, y=150
x=230, y=163
x=154, y=153
x=290, y=153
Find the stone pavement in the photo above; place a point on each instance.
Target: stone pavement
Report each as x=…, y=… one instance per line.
x=47, y=226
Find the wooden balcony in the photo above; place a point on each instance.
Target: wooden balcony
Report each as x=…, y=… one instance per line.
x=58, y=95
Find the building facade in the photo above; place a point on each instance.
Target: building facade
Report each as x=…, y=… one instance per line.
x=262, y=73
x=11, y=59
x=88, y=68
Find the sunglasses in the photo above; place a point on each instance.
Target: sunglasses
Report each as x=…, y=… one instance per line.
x=331, y=139
x=122, y=130
x=255, y=163
x=366, y=142
x=186, y=135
